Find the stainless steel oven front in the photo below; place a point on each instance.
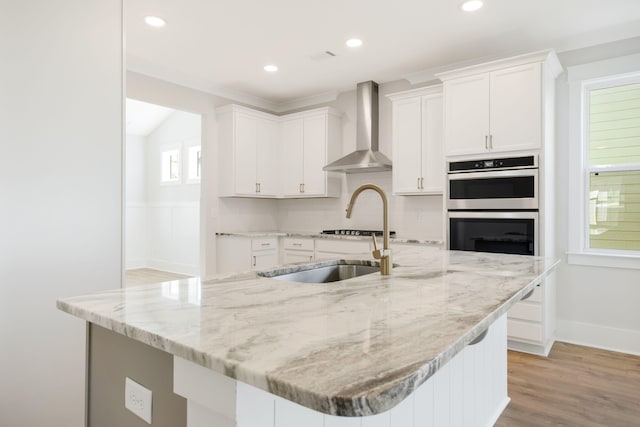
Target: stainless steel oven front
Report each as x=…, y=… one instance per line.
x=493, y=205
x=500, y=232
x=501, y=183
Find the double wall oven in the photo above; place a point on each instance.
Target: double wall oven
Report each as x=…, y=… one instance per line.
x=492, y=205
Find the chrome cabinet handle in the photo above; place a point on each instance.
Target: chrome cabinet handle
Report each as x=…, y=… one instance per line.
x=422, y=183
x=297, y=244
x=259, y=188
x=254, y=260
x=418, y=183
x=490, y=142
x=486, y=142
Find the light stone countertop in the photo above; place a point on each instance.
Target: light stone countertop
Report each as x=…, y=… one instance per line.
x=255, y=234
x=351, y=348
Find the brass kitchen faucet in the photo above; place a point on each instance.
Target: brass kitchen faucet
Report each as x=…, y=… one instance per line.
x=385, y=254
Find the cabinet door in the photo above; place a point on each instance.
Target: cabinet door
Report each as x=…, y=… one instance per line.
x=516, y=111
x=267, y=158
x=315, y=148
x=264, y=259
x=407, y=145
x=297, y=256
x=291, y=155
x=466, y=114
x=246, y=128
x=432, y=157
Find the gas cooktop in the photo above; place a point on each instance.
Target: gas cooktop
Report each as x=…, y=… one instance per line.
x=349, y=232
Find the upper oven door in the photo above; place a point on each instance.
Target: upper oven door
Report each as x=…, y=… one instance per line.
x=506, y=189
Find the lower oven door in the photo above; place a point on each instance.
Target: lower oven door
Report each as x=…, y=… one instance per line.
x=501, y=232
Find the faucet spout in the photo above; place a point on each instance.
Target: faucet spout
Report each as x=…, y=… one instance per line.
x=385, y=254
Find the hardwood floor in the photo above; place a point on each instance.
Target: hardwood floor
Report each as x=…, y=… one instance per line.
x=574, y=386
x=144, y=276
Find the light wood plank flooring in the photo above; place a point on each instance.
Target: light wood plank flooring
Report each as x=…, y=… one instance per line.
x=144, y=276
x=574, y=386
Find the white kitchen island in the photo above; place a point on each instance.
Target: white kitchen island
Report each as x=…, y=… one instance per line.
x=369, y=351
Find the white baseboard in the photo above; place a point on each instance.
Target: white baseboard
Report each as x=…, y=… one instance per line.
x=135, y=263
x=604, y=337
x=174, y=267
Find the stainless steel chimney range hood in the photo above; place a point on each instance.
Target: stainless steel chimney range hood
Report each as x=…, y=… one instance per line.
x=366, y=158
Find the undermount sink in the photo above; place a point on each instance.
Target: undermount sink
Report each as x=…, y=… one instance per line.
x=324, y=273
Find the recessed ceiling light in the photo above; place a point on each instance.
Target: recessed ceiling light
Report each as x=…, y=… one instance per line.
x=354, y=42
x=155, y=21
x=471, y=5
x=271, y=68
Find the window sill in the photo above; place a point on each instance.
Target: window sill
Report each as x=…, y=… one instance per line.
x=604, y=260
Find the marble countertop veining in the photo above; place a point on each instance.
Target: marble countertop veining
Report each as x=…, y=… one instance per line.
x=351, y=348
x=314, y=235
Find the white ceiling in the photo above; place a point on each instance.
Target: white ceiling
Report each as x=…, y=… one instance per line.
x=221, y=46
x=143, y=118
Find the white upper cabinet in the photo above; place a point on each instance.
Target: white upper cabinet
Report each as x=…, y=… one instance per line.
x=248, y=152
x=310, y=140
x=418, y=162
x=497, y=107
x=263, y=155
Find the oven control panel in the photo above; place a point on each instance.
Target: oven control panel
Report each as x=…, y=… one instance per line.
x=492, y=164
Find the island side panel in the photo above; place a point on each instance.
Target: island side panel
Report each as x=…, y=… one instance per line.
x=469, y=390
x=111, y=358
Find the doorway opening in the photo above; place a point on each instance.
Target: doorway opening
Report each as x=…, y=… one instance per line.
x=162, y=187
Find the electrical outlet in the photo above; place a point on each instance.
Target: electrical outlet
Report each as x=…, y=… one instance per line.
x=137, y=399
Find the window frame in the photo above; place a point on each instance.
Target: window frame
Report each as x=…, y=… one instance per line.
x=581, y=79
x=171, y=149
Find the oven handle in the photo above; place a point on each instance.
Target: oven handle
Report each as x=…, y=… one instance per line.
x=497, y=215
x=493, y=174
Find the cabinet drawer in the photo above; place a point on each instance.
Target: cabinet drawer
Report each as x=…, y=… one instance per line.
x=536, y=296
x=264, y=243
x=343, y=246
x=526, y=311
x=298, y=244
x=520, y=330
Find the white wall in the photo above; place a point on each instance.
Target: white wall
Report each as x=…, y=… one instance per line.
x=597, y=306
x=172, y=210
x=136, y=202
x=60, y=188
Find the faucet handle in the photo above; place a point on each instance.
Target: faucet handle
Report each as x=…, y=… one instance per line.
x=376, y=253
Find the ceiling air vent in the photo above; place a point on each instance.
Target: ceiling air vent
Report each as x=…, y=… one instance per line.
x=323, y=56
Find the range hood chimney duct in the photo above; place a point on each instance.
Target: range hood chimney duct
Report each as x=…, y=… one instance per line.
x=366, y=158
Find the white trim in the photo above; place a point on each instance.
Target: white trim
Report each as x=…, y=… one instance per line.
x=583, y=78
x=423, y=91
x=602, y=259
x=604, y=337
x=548, y=56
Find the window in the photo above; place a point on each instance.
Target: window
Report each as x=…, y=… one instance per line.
x=194, y=164
x=171, y=166
x=612, y=167
x=603, y=163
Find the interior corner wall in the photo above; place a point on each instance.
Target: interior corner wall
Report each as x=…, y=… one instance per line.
x=135, y=202
x=61, y=185
x=596, y=306
x=172, y=215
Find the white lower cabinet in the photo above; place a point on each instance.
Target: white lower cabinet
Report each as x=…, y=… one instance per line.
x=470, y=390
x=297, y=250
x=531, y=326
x=237, y=254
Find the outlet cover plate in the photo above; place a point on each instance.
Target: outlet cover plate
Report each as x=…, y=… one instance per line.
x=137, y=399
